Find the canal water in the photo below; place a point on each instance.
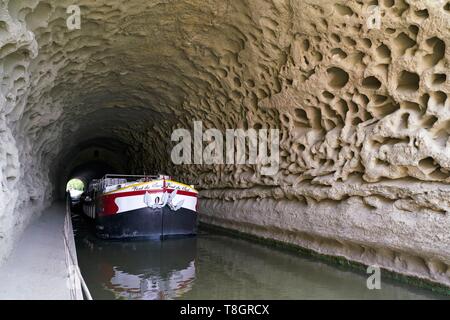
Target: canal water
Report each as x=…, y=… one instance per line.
x=217, y=266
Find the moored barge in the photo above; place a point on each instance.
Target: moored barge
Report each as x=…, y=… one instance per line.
x=139, y=206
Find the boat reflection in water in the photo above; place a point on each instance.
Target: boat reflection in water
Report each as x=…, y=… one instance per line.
x=148, y=270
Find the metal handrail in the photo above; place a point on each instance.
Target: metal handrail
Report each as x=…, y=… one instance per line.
x=80, y=276
x=73, y=261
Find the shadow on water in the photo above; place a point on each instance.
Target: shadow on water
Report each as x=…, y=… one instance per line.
x=217, y=266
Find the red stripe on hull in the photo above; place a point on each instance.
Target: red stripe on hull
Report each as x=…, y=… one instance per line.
x=108, y=206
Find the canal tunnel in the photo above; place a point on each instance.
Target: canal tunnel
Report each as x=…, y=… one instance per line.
x=362, y=115
x=91, y=159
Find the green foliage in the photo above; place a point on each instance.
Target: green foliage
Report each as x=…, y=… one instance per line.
x=75, y=184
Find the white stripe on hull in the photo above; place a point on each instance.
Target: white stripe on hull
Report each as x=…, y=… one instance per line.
x=129, y=203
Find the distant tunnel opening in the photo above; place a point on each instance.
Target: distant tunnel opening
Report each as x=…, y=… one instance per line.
x=74, y=188
x=75, y=184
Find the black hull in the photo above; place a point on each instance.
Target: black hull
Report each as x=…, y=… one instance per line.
x=147, y=223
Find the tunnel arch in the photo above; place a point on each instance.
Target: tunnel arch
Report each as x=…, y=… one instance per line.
x=137, y=70
x=86, y=159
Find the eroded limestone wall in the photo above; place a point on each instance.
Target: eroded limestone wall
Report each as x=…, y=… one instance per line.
x=363, y=113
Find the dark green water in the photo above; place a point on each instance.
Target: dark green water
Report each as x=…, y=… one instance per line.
x=217, y=266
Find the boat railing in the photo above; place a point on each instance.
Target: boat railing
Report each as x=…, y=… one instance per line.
x=118, y=179
x=130, y=176
x=106, y=182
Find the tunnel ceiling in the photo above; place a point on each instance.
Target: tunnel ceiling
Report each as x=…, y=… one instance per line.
x=365, y=108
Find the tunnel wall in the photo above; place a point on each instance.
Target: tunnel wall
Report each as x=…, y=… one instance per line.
x=363, y=114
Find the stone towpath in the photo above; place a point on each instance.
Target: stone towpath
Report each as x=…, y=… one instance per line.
x=36, y=269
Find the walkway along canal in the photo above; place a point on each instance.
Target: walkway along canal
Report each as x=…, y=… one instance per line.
x=40, y=266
